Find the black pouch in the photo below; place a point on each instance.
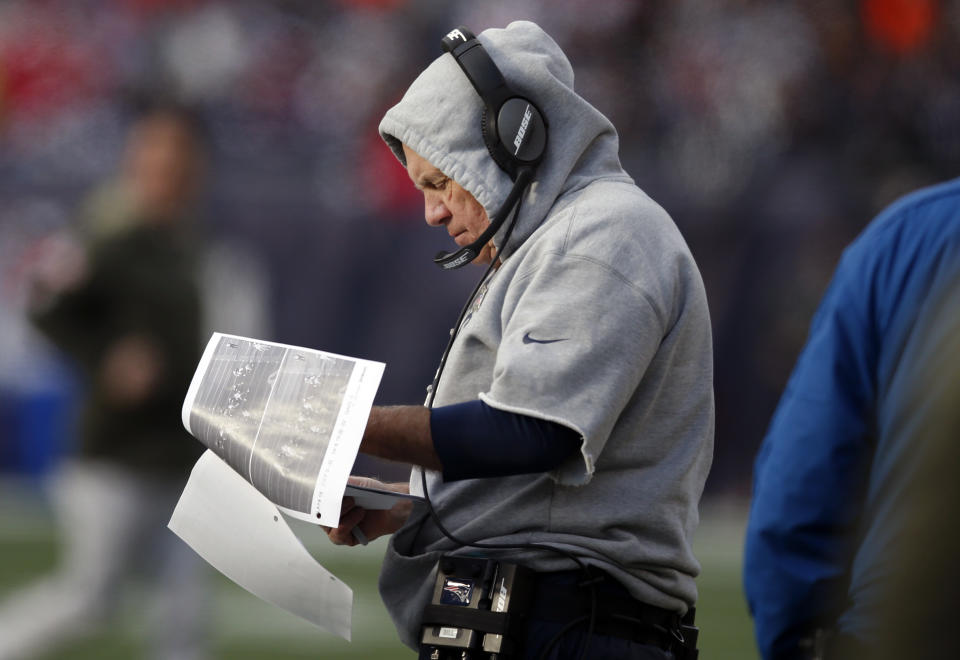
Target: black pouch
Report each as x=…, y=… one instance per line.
x=477, y=609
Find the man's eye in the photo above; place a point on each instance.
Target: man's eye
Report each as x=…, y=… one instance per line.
x=438, y=184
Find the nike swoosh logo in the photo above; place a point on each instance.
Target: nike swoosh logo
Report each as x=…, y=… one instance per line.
x=527, y=339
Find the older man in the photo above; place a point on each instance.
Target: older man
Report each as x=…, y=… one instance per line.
x=572, y=415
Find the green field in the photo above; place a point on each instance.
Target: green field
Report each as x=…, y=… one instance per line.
x=246, y=627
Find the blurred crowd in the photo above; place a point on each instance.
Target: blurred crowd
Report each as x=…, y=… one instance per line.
x=771, y=132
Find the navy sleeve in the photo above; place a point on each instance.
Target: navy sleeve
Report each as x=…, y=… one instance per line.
x=474, y=440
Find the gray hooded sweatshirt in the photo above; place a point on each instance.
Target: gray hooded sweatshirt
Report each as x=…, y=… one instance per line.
x=596, y=265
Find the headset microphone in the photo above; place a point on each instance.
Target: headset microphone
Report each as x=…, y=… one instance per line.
x=463, y=256
x=513, y=128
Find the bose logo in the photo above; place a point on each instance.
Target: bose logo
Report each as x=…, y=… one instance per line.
x=456, y=34
x=517, y=141
x=502, y=597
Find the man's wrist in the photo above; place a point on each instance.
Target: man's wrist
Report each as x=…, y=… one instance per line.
x=400, y=433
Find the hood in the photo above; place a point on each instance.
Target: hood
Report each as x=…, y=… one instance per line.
x=439, y=117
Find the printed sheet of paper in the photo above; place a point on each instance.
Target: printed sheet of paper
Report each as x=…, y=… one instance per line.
x=242, y=534
x=289, y=420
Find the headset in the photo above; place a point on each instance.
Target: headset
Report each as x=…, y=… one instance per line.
x=513, y=128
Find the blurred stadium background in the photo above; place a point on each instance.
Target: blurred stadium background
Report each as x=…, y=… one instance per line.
x=244, y=627
x=771, y=131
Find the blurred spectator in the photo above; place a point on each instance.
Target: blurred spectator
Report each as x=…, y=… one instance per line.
x=924, y=575
x=124, y=303
x=829, y=514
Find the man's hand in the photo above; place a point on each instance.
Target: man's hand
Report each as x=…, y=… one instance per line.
x=373, y=523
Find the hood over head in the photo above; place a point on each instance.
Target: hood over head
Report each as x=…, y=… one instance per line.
x=440, y=116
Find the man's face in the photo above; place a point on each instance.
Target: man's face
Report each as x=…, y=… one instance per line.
x=163, y=167
x=448, y=205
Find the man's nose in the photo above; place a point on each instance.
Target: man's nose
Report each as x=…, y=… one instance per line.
x=434, y=210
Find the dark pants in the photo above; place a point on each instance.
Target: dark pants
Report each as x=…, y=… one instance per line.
x=569, y=646
x=558, y=600
x=602, y=647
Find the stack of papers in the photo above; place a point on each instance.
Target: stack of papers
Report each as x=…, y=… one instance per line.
x=282, y=426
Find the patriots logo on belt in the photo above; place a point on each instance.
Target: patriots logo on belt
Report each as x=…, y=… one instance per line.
x=456, y=592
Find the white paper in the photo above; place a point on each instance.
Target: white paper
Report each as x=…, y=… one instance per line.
x=289, y=420
x=243, y=535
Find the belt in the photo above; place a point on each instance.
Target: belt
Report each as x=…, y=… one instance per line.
x=562, y=598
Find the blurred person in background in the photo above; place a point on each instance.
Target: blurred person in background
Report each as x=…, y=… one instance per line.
x=124, y=304
x=829, y=513
x=575, y=407
x=917, y=610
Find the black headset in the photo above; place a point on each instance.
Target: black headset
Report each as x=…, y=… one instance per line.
x=513, y=127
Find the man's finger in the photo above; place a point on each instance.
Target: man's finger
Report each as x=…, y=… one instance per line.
x=343, y=534
x=346, y=506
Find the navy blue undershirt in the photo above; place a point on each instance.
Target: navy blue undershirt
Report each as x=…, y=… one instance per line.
x=474, y=440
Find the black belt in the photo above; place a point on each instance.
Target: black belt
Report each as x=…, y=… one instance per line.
x=563, y=597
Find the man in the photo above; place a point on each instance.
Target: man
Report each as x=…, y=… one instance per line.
x=575, y=406
x=126, y=308
x=830, y=512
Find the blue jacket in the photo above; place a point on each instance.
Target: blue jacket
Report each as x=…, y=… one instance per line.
x=828, y=477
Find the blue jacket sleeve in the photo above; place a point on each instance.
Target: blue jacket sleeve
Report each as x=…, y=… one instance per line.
x=810, y=474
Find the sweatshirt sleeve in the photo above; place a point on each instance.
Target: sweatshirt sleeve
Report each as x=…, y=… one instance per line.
x=76, y=320
x=577, y=341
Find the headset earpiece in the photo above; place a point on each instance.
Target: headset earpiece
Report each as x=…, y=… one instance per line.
x=490, y=140
x=512, y=126
x=521, y=131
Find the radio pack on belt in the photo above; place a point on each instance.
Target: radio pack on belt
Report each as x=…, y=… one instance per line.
x=478, y=607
